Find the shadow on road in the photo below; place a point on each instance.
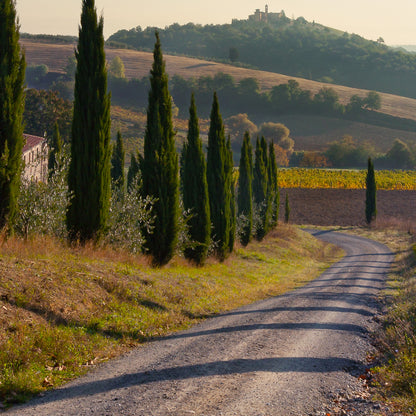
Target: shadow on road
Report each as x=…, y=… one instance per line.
x=303, y=309
x=296, y=326
x=217, y=368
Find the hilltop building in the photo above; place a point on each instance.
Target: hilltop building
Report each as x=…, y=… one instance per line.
x=265, y=16
x=35, y=159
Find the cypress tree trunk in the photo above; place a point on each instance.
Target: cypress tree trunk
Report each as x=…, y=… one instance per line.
x=89, y=172
x=195, y=191
x=287, y=209
x=12, y=75
x=232, y=185
x=55, y=149
x=245, y=190
x=274, y=187
x=370, y=195
x=159, y=165
x=218, y=183
x=117, y=164
x=260, y=190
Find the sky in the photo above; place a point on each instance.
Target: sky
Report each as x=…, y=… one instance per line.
x=394, y=21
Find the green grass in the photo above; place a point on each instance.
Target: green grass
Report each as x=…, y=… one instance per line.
x=66, y=309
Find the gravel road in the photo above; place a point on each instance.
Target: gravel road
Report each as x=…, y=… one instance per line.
x=296, y=354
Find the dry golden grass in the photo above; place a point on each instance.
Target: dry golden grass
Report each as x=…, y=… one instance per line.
x=138, y=65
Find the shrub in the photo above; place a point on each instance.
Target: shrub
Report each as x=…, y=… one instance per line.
x=42, y=206
x=130, y=216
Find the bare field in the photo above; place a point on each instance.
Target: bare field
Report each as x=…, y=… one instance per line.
x=138, y=65
x=345, y=207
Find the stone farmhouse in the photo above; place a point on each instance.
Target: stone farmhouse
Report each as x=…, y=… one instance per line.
x=265, y=16
x=35, y=152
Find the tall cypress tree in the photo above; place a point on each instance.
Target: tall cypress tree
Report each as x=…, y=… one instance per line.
x=370, y=194
x=260, y=189
x=273, y=186
x=266, y=215
x=159, y=165
x=231, y=184
x=55, y=149
x=218, y=182
x=245, y=189
x=12, y=75
x=117, y=163
x=195, y=190
x=89, y=176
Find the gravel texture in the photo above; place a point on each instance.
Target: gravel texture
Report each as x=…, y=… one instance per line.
x=303, y=353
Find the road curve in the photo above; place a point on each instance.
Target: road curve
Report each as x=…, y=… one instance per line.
x=277, y=357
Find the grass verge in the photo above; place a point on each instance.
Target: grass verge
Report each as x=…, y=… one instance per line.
x=395, y=374
x=62, y=310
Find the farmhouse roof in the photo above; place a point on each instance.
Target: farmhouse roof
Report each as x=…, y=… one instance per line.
x=31, y=141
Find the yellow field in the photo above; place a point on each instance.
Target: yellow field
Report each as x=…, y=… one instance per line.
x=345, y=179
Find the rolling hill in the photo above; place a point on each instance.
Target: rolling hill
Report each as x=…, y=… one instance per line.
x=138, y=64
x=295, y=47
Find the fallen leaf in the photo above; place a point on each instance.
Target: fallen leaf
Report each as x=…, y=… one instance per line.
x=47, y=382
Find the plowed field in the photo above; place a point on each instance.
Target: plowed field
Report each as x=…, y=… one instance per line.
x=345, y=207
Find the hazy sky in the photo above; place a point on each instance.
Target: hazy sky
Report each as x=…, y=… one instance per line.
x=392, y=20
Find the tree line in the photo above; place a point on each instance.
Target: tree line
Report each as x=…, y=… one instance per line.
x=44, y=108
x=246, y=96
x=348, y=153
x=237, y=97
x=288, y=46
x=92, y=197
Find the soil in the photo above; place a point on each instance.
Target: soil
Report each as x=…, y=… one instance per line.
x=301, y=354
x=346, y=207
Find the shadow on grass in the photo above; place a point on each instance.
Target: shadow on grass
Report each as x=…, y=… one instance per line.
x=92, y=328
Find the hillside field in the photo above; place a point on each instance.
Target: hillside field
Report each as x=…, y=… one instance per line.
x=138, y=65
x=346, y=207
x=306, y=178
x=343, y=194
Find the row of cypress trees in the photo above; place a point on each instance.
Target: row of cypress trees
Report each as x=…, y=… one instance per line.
x=208, y=191
x=258, y=189
x=208, y=187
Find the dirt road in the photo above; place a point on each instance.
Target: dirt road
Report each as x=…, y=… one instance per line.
x=290, y=355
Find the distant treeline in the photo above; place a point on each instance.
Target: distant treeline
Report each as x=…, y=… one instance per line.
x=50, y=38
x=244, y=96
x=292, y=47
x=348, y=153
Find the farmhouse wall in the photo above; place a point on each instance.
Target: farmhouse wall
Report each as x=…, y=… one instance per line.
x=35, y=157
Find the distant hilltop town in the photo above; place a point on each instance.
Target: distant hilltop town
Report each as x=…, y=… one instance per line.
x=265, y=16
